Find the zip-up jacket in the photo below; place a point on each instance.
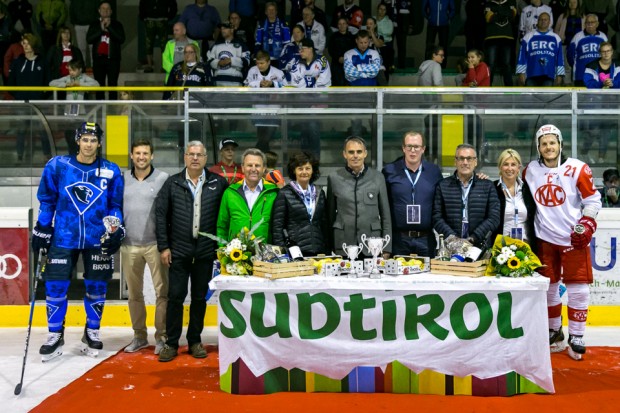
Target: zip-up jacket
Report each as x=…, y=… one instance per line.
x=439, y=12
x=234, y=213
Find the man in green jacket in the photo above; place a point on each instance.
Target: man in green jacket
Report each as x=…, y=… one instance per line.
x=245, y=203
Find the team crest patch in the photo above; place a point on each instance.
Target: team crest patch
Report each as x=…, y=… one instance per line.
x=83, y=195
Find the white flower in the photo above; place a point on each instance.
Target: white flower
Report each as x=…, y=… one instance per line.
x=235, y=243
x=505, y=250
x=501, y=259
x=513, y=247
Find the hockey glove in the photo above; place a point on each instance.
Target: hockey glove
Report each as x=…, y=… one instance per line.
x=112, y=242
x=41, y=238
x=582, y=232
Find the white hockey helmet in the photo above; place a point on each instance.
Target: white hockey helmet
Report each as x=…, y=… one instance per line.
x=548, y=129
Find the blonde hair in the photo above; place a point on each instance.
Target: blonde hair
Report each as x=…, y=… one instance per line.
x=506, y=154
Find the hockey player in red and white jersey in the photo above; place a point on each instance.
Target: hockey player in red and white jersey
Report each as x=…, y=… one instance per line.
x=567, y=204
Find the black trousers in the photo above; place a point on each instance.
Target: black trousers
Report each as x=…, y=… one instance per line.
x=106, y=68
x=183, y=270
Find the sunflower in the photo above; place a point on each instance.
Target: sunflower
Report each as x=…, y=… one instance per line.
x=513, y=263
x=236, y=254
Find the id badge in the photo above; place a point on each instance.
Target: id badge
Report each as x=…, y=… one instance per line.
x=413, y=214
x=517, y=233
x=465, y=230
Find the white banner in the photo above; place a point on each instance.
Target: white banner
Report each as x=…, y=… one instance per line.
x=606, y=287
x=484, y=327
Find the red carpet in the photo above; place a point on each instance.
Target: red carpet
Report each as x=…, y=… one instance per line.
x=138, y=382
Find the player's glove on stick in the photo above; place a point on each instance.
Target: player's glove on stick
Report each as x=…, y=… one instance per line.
x=41, y=238
x=582, y=232
x=112, y=242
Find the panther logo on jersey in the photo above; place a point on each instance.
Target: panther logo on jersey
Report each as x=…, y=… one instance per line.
x=83, y=195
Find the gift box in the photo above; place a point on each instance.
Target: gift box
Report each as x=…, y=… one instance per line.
x=404, y=264
x=464, y=269
x=380, y=262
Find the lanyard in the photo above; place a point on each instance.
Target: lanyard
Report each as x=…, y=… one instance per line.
x=513, y=201
x=464, y=196
x=413, y=183
x=229, y=178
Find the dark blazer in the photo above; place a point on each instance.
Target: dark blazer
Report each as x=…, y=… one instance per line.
x=54, y=60
x=174, y=209
x=289, y=212
x=117, y=38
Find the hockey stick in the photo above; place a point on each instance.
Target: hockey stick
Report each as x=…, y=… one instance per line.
x=40, y=264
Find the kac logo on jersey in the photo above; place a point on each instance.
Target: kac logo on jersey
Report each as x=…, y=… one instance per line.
x=550, y=195
x=83, y=195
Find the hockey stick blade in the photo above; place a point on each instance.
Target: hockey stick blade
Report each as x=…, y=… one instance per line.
x=40, y=264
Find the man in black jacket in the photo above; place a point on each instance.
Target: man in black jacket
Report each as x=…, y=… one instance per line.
x=188, y=203
x=465, y=206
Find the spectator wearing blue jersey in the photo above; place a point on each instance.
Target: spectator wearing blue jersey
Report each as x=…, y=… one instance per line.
x=290, y=52
x=77, y=194
x=229, y=58
x=362, y=64
x=541, y=61
x=438, y=14
x=583, y=49
x=272, y=35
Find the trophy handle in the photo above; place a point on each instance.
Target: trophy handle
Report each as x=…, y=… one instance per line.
x=386, y=239
x=363, y=238
x=344, y=247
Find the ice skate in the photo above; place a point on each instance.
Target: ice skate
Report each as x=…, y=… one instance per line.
x=91, y=342
x=53, y=346
x=556, y=340
x=576, y=347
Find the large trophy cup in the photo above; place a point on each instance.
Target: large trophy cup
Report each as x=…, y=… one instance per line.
x=375, y=247
x=352, y=252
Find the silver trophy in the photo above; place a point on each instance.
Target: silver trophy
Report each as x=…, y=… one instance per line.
x=375, y=247
x=352, y=252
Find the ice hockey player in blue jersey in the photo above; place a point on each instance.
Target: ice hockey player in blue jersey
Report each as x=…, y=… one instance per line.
x=76, y=193
x=541, y=61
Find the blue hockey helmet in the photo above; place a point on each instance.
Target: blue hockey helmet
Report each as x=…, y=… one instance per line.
x=89, y=128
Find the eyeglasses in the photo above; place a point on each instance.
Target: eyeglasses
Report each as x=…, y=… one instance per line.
x=195, y=155
x=607, y=51
x=441, y=55
x=465, y=158
x=89, y=140
x=413, y=147
x=590, y=23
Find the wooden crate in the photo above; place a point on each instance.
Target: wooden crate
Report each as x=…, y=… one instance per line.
x=282, y=270
x=466, y=269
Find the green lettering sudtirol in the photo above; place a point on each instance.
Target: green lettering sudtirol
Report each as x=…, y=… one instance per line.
x=305, y=301
x=257, y=316
x=356, y=306
x=235, y=317
x=457, y=316
x=413, y=302
x=504, y=317
x=389, y=320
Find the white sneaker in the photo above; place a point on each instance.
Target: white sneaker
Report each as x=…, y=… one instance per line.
x=159, y=346
x=136, y=344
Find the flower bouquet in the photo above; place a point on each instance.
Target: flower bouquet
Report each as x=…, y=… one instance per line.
x=236, y=256
x=512, y=258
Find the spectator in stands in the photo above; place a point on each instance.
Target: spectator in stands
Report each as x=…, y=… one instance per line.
x=530, y=15
x=477, y=71
x=173, y=53
x=377, y=43
x=405, y=15
x=474, y=24
x=357, y=201
x=352, y=13
x=243, y=26
x=300, y=208
x=82, y=14
x=272, y=174
x=29, y=70
x=13, y=52
x=410, y=181
x=290, y=52
x=429, y=73
x=21, y=15
x=190, y=72
x=571, y=21
x=201, y=20
x=438, y=14
x=59, y=55
x=272, y=34
x=499, y=42
x=603, y=73
x=339, y=43
x=466, y=206
x=609, y=191
x=362, y=64
x=6, y=27
x=155, y=14
x=264, y=75
x=604, y=9
x=314, y=30
x=385, y=29
x=583, y=49
x=227, y=167
x=248, y=202
x=229, y=58
x=50, y=15
x=537, y=66
x=319, y=14
x=106, y=35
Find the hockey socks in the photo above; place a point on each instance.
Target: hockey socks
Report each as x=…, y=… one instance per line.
x=94, y=301
x=56, y=301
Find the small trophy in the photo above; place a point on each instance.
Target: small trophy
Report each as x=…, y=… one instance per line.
x=352, y=252
x=375, y=247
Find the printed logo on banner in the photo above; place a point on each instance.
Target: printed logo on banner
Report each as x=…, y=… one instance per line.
x=10, y=266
